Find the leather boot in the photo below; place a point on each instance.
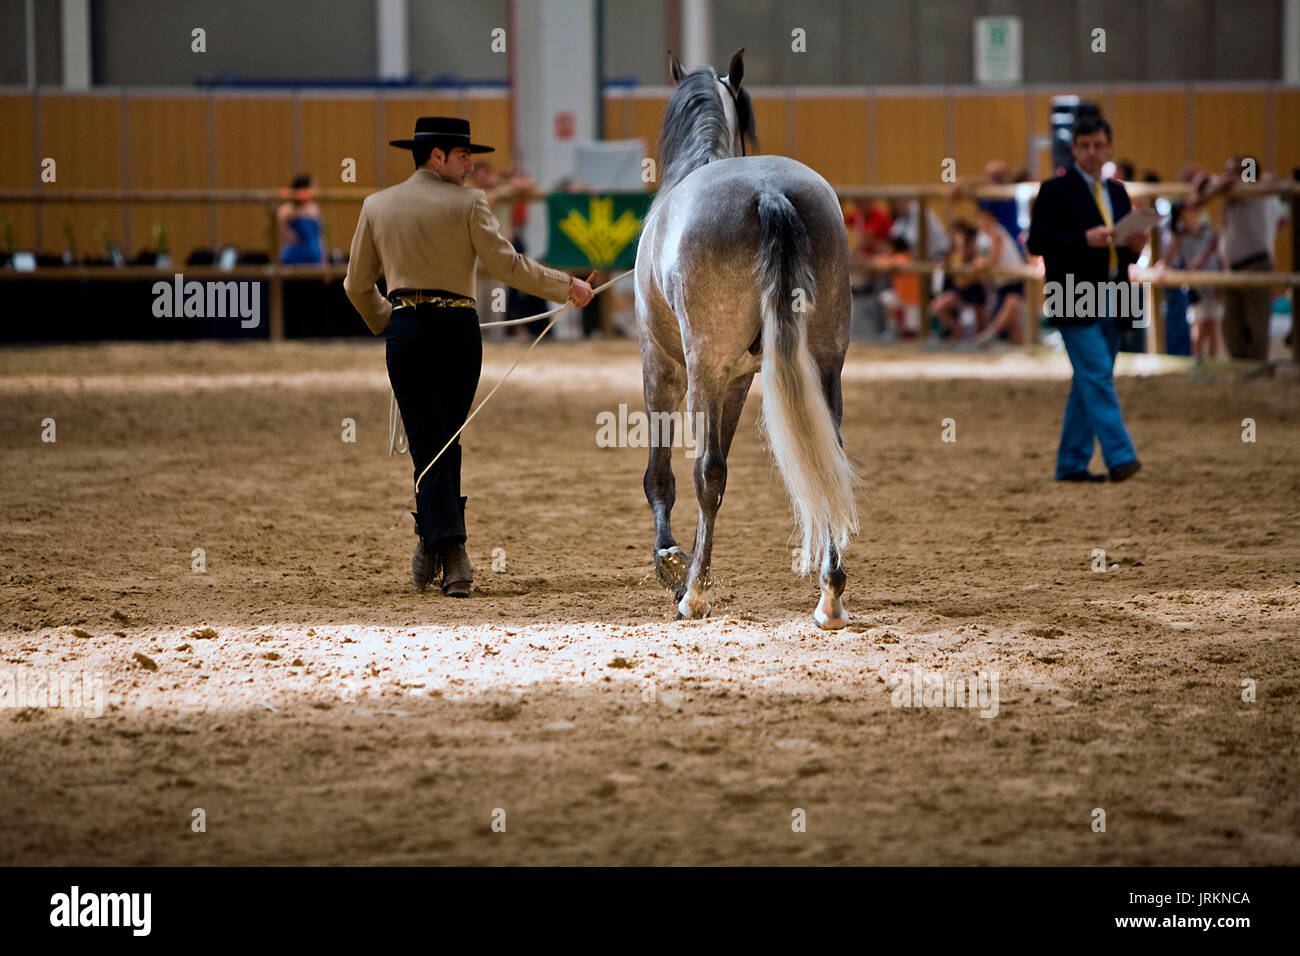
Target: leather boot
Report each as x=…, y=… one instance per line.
x=424, y=566
x=457, y=575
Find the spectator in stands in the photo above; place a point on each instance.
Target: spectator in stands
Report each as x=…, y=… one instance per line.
x=902, y=300
x=1178, y=340
x=1194, y=246
x=519, y=303
x=484, y=177
x=906, y=213
x=489, y=292
x=1249, y=227
x=868, y=223
x=1005, y=210
x=1143, y=201
x=300, y=224
x=960, y=291
x=994, y=248
x=1134, y=338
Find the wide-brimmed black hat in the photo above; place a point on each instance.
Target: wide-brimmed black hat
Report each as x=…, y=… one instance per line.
x=445, y=132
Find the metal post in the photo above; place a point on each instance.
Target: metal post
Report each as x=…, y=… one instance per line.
x=1291, y=44
x=923, y=255
x=599, y=67
x=272, y=234
x=1295, y=267
x=75, y=15
x=391, y=50
x=1034, y=307
x=277, y=281
x=31, y=44
x=697, y=33
x=1157, y=330
x=276, y=305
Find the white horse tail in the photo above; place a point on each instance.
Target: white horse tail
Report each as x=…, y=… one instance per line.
x=796, y=416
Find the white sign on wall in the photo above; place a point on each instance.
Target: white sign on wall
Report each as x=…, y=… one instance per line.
x=998, y=53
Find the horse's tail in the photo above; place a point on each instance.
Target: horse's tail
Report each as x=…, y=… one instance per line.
x=796, y=416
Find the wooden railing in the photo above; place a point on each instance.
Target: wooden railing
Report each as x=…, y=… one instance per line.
x=1159, y=278
x=275, y=274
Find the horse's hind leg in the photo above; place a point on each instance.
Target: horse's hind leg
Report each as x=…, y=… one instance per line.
x=830, y=614
x=712, y=437
x=710, y=482
x=665, y=384
x=734, y=404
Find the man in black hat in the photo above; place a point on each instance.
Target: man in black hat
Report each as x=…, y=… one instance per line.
x=425, y=236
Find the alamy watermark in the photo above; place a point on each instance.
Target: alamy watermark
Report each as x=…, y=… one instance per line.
x=637, y=429
x=74, y=690
x=917, y=688
x=214, y=299
x=75, y=908
x=1085, y=299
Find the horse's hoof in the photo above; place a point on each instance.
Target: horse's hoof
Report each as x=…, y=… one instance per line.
x=693, y=608
x=670, y=567
x=828, y=622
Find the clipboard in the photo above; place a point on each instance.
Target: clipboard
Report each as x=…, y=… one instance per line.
x=1135, y=221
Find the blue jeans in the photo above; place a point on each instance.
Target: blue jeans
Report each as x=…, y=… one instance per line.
x=1092, y=411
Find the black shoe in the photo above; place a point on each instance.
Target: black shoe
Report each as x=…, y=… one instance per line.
x=1126, y=470
x=1082, y=476
x=457, y=575
x=424, y=566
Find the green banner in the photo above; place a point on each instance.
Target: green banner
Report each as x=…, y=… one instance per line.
x=597, y=231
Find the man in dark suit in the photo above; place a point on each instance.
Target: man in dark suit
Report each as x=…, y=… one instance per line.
x=1072, y=228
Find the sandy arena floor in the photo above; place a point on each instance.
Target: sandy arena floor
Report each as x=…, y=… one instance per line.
x=333, y=715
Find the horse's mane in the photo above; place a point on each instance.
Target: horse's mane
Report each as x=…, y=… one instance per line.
x=695, y=127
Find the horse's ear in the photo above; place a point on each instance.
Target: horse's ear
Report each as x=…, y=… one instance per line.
x=675, y=67
x=736, y=72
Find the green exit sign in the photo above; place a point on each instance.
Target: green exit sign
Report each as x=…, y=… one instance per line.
x=998, y=54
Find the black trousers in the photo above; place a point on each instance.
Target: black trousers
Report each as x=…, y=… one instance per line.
x=435, y=357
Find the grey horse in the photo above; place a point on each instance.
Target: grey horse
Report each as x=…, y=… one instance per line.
x=743, y=266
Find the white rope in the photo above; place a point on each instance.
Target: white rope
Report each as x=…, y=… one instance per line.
x=397, y=439
x=526, y=319
x=555, y=314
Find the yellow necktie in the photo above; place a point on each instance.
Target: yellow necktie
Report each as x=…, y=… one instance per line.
x=1105, y=217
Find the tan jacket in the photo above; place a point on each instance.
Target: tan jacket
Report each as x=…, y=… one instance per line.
x=426, y=233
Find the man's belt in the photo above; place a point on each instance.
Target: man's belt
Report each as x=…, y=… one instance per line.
x=410, y=298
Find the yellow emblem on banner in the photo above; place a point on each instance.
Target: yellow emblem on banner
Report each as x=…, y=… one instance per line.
x=601, y=237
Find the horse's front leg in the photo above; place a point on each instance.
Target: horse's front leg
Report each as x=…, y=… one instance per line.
x=665, y=384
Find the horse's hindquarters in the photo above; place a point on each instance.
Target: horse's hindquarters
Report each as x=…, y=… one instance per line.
x=711, y=285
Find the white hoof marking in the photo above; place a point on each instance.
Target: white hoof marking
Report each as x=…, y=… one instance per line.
x=828, y=623
x=693, y=607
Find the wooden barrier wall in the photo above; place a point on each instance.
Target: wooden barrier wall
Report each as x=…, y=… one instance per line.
x=193, y=139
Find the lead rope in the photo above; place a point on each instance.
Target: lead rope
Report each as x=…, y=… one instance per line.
x=397, y=440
